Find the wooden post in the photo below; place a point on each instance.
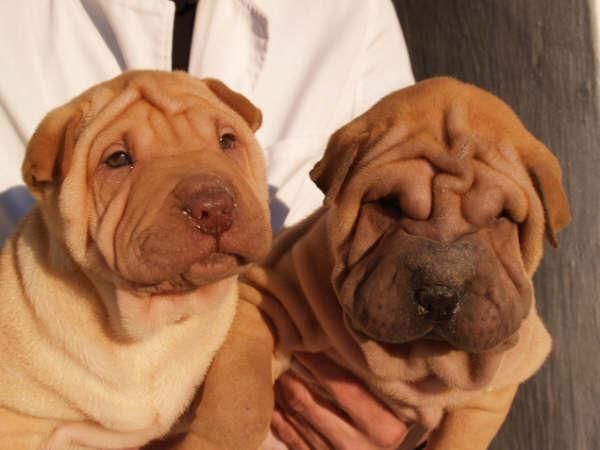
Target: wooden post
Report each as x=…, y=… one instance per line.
x=538, y=55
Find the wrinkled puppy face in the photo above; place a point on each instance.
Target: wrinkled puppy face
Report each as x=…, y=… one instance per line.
x=158, y=180
x=436, y=223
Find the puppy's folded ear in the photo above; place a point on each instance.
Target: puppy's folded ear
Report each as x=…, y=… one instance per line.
x=544, y=170
x=343, y=150
x=49, y=150
x=236, y=101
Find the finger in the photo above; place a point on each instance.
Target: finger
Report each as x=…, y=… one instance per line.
x=367, y=412
x=300, y=401
x=304, y=429
x=286, y=432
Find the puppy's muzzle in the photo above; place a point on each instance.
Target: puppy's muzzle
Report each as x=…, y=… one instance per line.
x=410, y=287
x=209, y=204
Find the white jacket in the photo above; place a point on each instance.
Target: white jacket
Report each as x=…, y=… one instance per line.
x=310, y=65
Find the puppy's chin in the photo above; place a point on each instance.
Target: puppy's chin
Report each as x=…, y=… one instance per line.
x=215, y=267
x=473, y=348
x=501, y=342
x=209, y=270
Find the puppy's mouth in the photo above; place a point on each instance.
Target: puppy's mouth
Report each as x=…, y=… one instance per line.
x=208, y=270
x=432, y=335
x=395, y=346
x=376, y=334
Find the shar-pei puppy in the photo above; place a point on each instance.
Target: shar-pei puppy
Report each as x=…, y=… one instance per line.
x=416, y=273
x=120, y=286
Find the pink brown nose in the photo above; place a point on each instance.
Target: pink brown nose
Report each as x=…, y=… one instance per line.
x=212, y=208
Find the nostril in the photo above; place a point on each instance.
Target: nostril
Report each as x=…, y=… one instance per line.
x=212, y=210
x=438, y=302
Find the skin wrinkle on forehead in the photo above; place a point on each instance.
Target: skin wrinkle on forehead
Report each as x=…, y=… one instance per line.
x=504, y=160
x=514, y=196
x=374, y=150
x=103, y=103
x=200, y=124
x=169, y=126
x=150, y=91
x=162, y=128
x=453, y=170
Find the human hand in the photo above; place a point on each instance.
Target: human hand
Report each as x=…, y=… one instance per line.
x=351, y=418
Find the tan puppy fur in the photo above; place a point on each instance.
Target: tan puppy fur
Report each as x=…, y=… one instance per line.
x=120, y=286
x=416, y=274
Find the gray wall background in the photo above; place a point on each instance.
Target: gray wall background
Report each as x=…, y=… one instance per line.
x=538, y=56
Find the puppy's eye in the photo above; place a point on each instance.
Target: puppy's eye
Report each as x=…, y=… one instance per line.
x=119, y=159
x=227, y=141
x=504, y=214
x=390, y=206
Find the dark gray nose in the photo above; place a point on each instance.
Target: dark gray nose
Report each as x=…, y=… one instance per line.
x=437, y=301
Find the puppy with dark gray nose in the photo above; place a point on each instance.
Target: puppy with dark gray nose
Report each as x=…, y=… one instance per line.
x=416, y=273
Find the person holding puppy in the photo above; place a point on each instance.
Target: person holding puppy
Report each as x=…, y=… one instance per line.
x=310, y=67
